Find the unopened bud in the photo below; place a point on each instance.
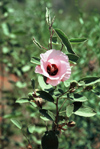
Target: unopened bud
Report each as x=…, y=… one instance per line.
x=88, y=88
x=73, y=84
x=39, y=102
x=71, y=124
x=29, y=147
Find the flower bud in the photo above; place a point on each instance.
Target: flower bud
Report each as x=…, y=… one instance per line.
x=71, y=124
x=29, y=147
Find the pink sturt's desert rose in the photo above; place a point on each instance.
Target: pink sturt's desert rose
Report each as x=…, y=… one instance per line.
x=54, y=66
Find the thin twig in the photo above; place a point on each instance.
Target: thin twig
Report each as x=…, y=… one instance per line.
x=46, y=126
x=50, y=30
x=62, y=47
x=38, y=44
x=62, y=104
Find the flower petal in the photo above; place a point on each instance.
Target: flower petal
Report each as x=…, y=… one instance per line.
x=38, y=69
x=53, y=82
x=67, y=75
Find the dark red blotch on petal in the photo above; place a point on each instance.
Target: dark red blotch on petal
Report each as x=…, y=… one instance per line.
x=52, y=69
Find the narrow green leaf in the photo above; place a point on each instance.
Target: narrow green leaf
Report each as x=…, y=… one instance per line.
x=69, y=110
x=48, y=18
x=45, y=114
x=22, y=100
x=35, y=60
x=16, y=123
x=65, y=40
x=12, y=115
x=44, y=95
x=77, y=40
x=37, y=43
x=91, y=80
x=44, y=118
x=73, y=57
x=81, y=110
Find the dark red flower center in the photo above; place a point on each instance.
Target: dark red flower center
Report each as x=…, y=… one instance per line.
x=52, y=69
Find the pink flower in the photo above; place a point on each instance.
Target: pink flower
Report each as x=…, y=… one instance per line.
x=54, y=66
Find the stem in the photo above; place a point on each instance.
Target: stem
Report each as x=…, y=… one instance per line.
x=50, y=30
x=62, y=47
x=63, y=94
x=43, y=48
x=62, y=104
x=1, y=103
x=57, y=111
x=62, y=112
x=46, y=126
x=57, y=114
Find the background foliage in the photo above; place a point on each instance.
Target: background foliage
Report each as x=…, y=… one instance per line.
x=20, y=21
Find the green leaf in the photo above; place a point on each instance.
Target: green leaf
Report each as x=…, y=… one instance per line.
x=5, y=50
x=37, y=43
x=31, y=128
x=33, y=104
x=69, y=110
x=51, y=114
x=26, y=68
x=91, y=80
x=67, y=83
x=48, y=18
x=65, y=40
x=22, y=100
x=12, y=115
x=44, y=118
x=78, y=97
x=54, y=39
x=35, y=60
x=96, y=93
x=5, y=29
x=81, y=110
x=20, y=84
x=45, y=113
x=16, y=123
x=33, y=83
x=45, y=96
x=42, y=83
x=73, y=57
x=77, y=40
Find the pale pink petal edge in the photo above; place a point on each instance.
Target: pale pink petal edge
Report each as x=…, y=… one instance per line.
x=38, y=69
